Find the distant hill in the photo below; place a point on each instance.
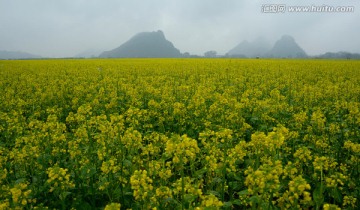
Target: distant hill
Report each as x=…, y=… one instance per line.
x=286, y=47
x=17, y=55
x=339, y=55
x=144, y=45
x=90, y=53
x=256, y=48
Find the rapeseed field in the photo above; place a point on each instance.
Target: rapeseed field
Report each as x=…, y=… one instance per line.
x=180, y=134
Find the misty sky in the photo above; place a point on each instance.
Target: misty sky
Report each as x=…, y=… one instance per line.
x=60, y=28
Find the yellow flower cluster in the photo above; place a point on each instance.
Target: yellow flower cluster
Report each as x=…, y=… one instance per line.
x=21, y=195
x=110, y=166
x=291, y=170
x=324, y=163
x=353, y=147
x=59, y=179
x=336, y=180
x=141, y=184
x=113, y=206
x=236, y=155
x=349, y=201
x=208, y=201
x=3, y=160
x=187, y=186
x=262, y=143
x=183, y=149
x=303, y=155
x=132, y=139
x=318, y=120
x=297, y=195
x=165, y=173
x=163, y=192
x=265, y=180
x=331, y=207
x=300, y=119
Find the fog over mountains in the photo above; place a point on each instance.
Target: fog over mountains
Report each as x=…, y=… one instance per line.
x=155, y=45
x=16, y=55
x=286, y=47
x=251, y=49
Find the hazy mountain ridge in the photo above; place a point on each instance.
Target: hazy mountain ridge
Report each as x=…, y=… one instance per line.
x=144, y=45
x=339, y=55
x=285, y=47
x=17, y=55
x=155, y=45
x=251, y=49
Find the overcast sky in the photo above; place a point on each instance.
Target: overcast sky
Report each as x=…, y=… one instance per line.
x=60, y=28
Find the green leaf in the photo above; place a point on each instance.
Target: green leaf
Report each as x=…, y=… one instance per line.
x=200, y=173
x=20, y=180
x=238, y=178
x=243, y=192
x=127, y=163
x=217, y=194
x=63, y=195
x=336, y=194
x=217, y=180
x=128, y=193
x=237, y=202
x=318, y=195
x=235, y=185
x=170, y=200
x=189, y=197
x=83, y=205
x=255, y=199
x=227, y=204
